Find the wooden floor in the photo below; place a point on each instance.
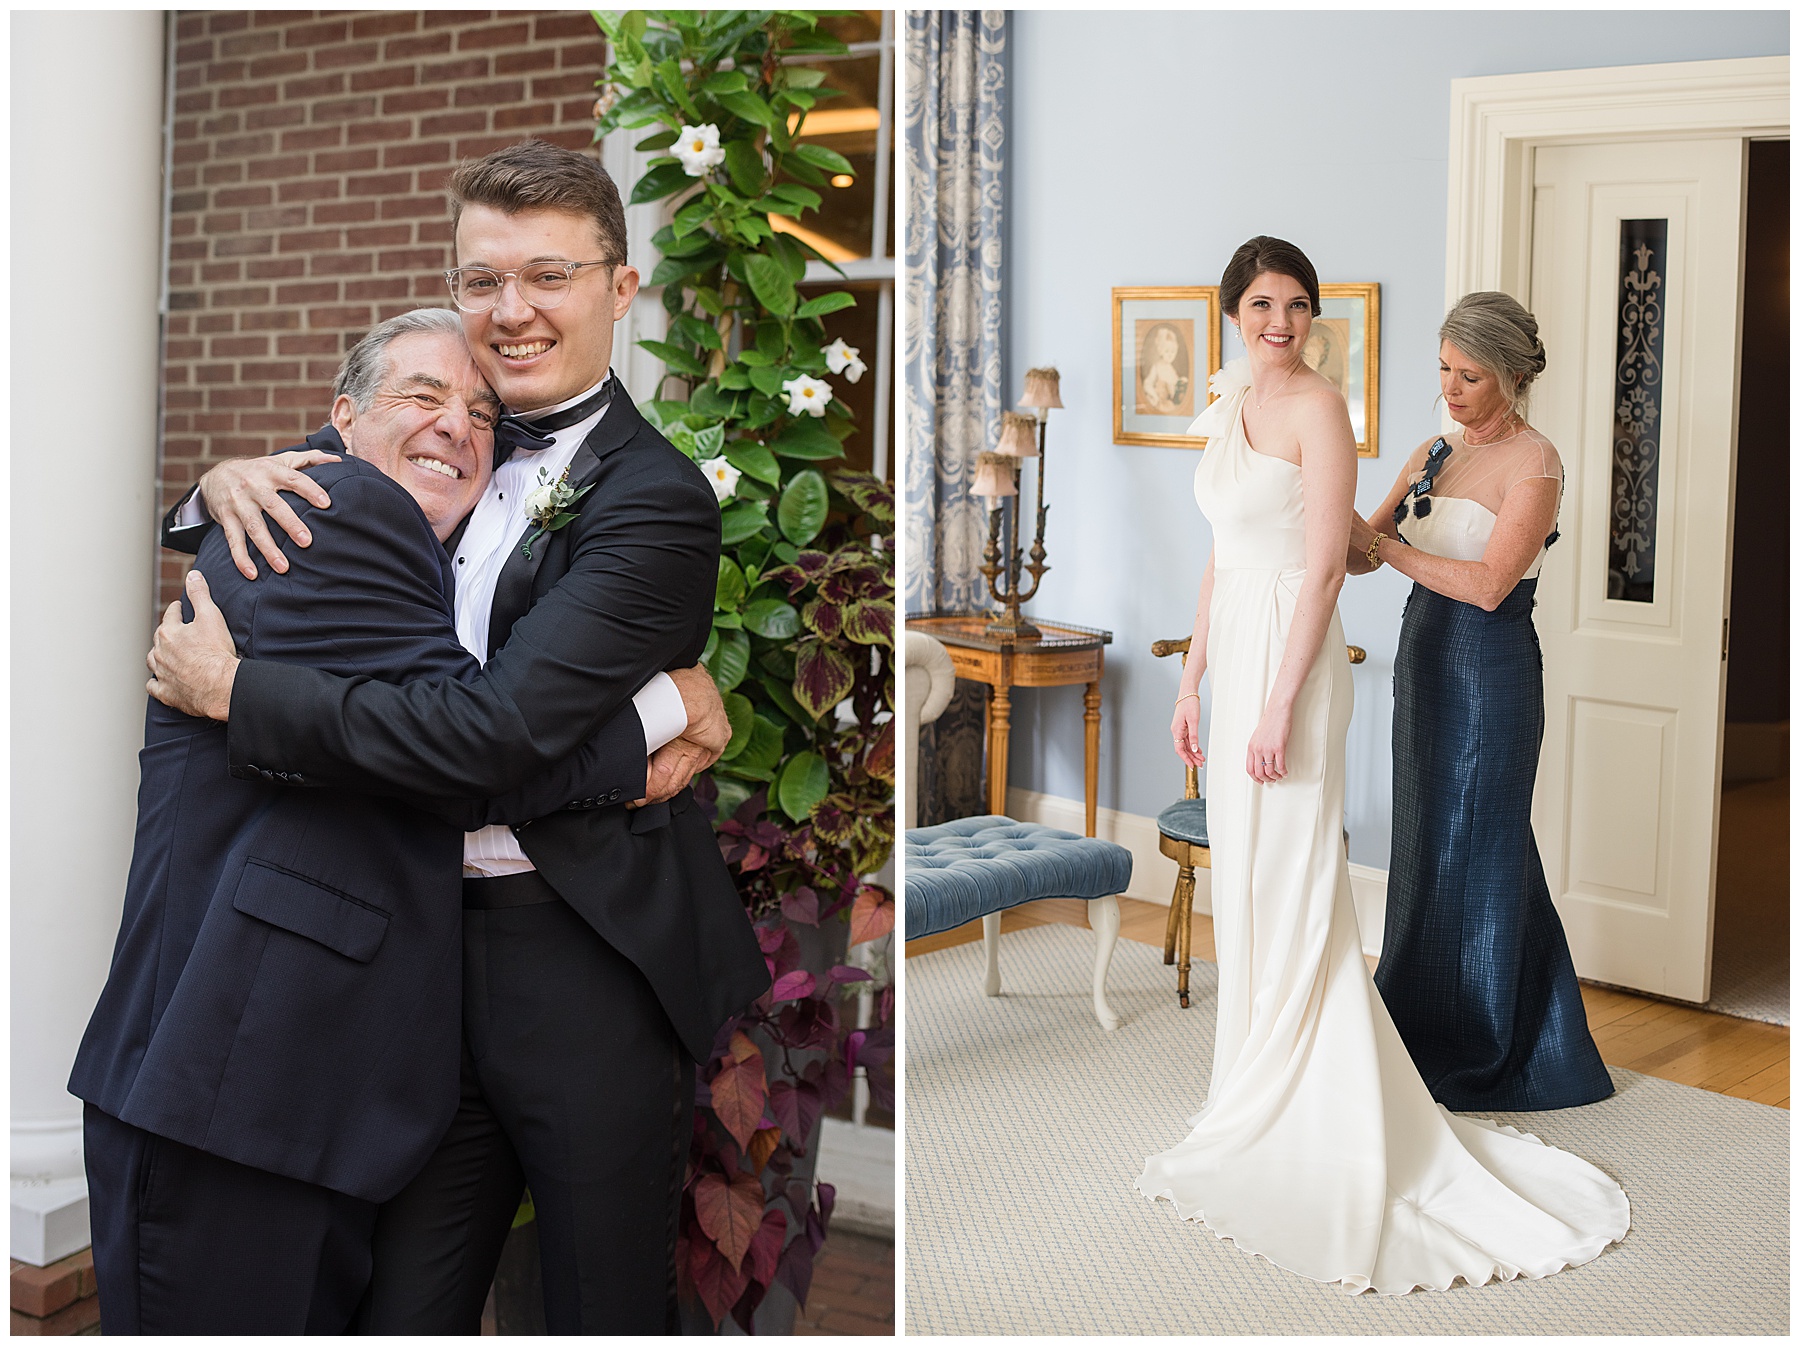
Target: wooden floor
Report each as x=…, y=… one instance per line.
x=1738, y=1057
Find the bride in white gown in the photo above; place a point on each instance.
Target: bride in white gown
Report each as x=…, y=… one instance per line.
x=1319, y=1146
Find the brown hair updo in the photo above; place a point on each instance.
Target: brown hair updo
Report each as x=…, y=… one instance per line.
x=1261, y=254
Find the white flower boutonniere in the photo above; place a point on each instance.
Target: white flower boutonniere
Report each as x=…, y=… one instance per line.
x=551, y=505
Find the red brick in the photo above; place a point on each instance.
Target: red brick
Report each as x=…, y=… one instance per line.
x=433, y=288
x=578, y=110
x=468, y=67
x=229, y=223
x=215, y=322
x=215, y=373
x=411, y=207
x=554, y=27
x=472, y=147
x=274, y=67
x=313, y=86
x=579, y=139
x=285, y=114
x=81, y=1317
x=411, y=48
x=185, y=299
x=341, y=264
x=383, y=77
x=364, y=133
x=181, y=275
x=196, y=153
x=214, y=422
x=452, y=123
x=308, y=189
x=343, y=109
x=248, y=95
x=221, y=273
x=224, y=124
x=377, y=184
x=500, y=35
x=275, y=319
x=282, y=166
x=523, y=62
x=239, y=447
x=584, y=55
x=224, y=72
x=270, y=18
x=41, y=1291
x=425, y=152
x=317, y=34
x=345, y=212
x=412, y=259
x=383, y=25
x=193, y=53
x=281, y=217
x=242, y=196
x=323, y=372
x=449, y=18
x=353, y=53
x=213, y=173
x=346, y=161
x=436, y=231
x=415, y=100
x=243, y=245
x=191, y=27
x=435, y=179
x=380, y=236
x=244, y=146
x=307, y=294
x=181, y=203
x=230, y=21
x=343, y=316
x=179, y=324
x=220, y=399
x=390, y=287
x=238, y=347
x=276, y=422
x=185, y=349
x=530, y=114
x=562, y=85
x=193, y=102
x=249, y=296
x=313, y=240
x=312, y=138
x=486, y=95
x=298, y=397
x=250, y=44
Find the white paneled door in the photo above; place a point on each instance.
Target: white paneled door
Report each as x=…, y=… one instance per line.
x=1635, y=279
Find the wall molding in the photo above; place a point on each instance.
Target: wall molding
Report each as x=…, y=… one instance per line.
x=1153, y=873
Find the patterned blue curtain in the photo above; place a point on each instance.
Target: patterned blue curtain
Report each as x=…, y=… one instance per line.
x=956, y=130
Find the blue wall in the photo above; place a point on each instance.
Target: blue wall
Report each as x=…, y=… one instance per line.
x=1147, y=146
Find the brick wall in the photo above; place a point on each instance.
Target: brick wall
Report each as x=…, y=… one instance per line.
x=310, y=154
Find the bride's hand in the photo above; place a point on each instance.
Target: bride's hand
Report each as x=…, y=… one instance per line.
x=1185, y=729
x=1266, y=758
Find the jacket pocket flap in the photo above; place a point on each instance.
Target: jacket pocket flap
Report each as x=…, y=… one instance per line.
x=311, y=910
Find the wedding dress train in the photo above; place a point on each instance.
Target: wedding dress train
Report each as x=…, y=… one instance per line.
x=1319, y=1146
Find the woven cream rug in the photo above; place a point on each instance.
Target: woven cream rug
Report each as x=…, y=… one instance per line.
x=1025, y=1125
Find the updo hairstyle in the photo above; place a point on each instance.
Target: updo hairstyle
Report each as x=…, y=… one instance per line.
x=1261, y=254
x=1498, y=333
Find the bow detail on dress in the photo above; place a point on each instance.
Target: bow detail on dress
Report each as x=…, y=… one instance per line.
x=1228, y=386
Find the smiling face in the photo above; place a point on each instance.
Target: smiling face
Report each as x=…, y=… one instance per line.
x=1472, y=395
x=1164, y=347
x=430, y=425
x=1274, y=317
x=539, y=357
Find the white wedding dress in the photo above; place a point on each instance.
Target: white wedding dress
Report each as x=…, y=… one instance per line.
x=1319, y=1147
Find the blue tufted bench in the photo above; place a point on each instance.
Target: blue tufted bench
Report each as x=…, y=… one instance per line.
x=974, y=867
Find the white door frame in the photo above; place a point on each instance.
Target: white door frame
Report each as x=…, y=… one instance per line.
x=1497, y=120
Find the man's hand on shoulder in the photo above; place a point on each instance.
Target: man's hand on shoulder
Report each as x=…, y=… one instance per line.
x=708, y=732
x=193, y=664
x=238, y=491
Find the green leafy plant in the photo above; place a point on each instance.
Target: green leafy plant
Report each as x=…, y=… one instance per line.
x=803, y=621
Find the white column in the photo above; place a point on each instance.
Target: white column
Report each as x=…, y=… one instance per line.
x=87, y=129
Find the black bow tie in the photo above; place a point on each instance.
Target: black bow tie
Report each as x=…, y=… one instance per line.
x=511, y=432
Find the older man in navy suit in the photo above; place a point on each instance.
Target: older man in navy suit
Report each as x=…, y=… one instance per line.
x=277, y=1047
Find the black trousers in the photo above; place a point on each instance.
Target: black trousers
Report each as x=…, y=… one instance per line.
x=188, y=1243
x=574, y=1084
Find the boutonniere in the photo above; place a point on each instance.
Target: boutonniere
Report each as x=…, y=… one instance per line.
x=551, y=505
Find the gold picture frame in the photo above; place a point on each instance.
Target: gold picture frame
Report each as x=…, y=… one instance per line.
x=1159, y=384
x=1345, y=346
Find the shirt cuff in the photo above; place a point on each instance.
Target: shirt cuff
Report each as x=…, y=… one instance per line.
x=193, y=512
x=661, y=710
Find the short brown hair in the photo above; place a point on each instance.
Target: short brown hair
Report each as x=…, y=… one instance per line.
x=536, y=175
x=1261, y=254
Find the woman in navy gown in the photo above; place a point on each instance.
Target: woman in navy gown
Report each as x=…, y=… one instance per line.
x=1475, y=969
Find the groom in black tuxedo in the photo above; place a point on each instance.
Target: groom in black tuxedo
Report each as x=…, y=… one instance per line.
x=603, y=950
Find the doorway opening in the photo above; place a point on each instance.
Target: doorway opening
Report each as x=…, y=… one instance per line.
x=1750, y=920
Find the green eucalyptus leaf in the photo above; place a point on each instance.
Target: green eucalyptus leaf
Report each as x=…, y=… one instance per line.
x=826, y=303
x=804, y=503
x=803, y=782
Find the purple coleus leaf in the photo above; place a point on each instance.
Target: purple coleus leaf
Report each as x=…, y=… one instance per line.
x=792, y=986
x=869, y=622
x=823, y=676
x=823, y=618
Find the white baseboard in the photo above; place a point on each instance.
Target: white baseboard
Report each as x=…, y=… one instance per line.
x=49, y=1220
x=1153, y=873
x=859, y=1162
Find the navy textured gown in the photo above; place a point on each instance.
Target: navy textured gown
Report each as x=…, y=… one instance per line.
x=1475, y=968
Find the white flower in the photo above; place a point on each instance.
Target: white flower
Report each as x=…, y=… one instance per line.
x=723, y=476
x=542, y=502
x=698, y=149
x=807, y=394
x=842, y=358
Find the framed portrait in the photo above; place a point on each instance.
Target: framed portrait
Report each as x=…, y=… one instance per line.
x=1345, y=346
x=1165, y=348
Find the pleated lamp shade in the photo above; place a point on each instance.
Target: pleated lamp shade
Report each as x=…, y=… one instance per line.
x=1043, y=388
x=1018, y=435
x=994, y=478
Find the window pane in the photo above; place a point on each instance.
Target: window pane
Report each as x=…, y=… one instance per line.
x=859, y=25
x=1637, y=410
x=860, y=326
x=842, y=227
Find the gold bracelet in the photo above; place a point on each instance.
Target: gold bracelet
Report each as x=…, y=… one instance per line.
x=1185, y=695
x=1374, y=544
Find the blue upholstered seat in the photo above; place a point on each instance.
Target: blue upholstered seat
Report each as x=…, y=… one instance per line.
x=971, y=867
x=1185, y=820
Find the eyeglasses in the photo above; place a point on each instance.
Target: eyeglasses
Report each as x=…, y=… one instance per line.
x=476, y=289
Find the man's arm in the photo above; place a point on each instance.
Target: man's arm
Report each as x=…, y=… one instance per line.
x=637, y=599
x=238, y=493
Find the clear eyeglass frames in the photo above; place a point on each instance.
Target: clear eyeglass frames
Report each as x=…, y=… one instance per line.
x=476, y=289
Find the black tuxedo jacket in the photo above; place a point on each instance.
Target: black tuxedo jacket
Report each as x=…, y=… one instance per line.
x=286, y=987
x=603, y=604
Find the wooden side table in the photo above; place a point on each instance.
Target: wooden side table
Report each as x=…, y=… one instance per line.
x=1060, y=656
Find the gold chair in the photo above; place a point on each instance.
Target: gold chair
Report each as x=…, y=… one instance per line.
x=1183, y=838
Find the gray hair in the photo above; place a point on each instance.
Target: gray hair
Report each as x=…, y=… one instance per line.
x=367, y=364
x=1498, y=333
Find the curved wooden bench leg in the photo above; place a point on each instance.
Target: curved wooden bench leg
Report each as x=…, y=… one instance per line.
x=1185, y=900
x=1183, y=875
x=990, y=939
x=1103, y=915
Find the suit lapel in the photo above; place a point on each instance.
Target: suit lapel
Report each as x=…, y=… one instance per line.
x=513, y=590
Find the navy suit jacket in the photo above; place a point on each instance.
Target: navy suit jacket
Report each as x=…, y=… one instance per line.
x=623, y=591
x=286, y=987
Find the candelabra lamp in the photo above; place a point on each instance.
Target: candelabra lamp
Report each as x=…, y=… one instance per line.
x=997, y=477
